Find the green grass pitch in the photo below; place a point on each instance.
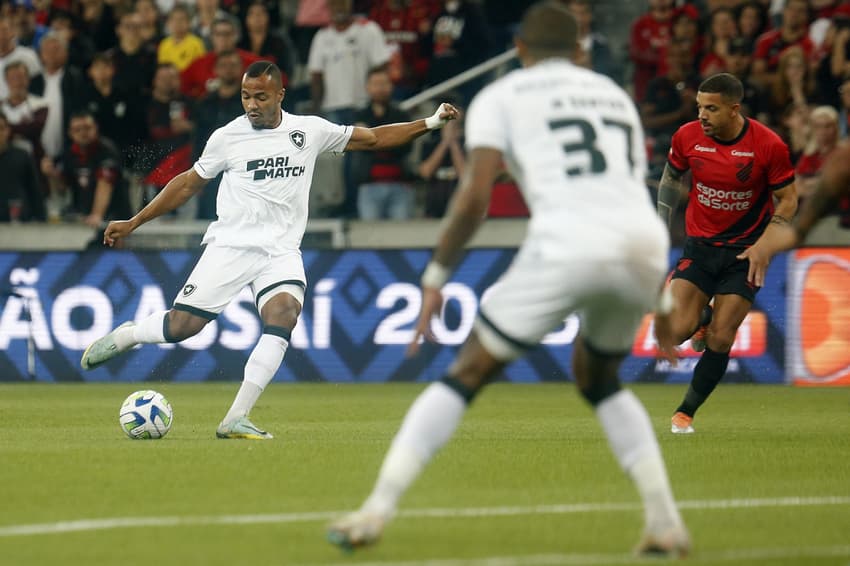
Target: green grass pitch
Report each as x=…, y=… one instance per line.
x=528, y=479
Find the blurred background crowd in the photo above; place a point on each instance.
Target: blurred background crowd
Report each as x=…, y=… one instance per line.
x=103, y=101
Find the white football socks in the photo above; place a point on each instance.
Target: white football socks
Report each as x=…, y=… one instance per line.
x=260, y=368
x=429, y=424
x=630, y=434
x=147, y=331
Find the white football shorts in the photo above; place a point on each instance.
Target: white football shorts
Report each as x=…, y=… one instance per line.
x=533, y=297
x=222, y=272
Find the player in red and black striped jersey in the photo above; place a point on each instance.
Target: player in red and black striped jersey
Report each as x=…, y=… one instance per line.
x=742, y=189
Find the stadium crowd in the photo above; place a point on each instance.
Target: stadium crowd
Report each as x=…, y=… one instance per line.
x=103, y=101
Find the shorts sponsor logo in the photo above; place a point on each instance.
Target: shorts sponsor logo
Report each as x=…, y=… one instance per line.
x=274, y=168
x=718, y=199
x=188, y=289
x=699, y=147
x=683, y=264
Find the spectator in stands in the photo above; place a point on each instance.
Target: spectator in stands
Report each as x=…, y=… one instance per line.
x=97, y=21
x=752, y=20
x=686, y=29
x=61, y=86
x=29, y=29
x=738, y=60
x=151, y=30
x=119, y=114
x=21, y=197
x=794, y=32
x=217, y=109
x=793, y=128
x=649, y=34
x=384, y=192
x=595, y=52
x=133, y=58
x=794, y=83
x=80, y=46
x=168, y=149
x=844, y=109
x=834, y=67
x=337, y=70
x=266, y=43
x=460, y=39
x=206, y=12
x=91, y=172
x=722, y=28
x=823, y=138
x=442, y=166
x=407, y=28
x=11, y=51
x=311, y=16
x=198, y=79
x=669, y=100
x=25, y=112
x=180, y=47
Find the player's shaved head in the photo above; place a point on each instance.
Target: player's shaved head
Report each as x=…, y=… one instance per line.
x=265, y=69
x=548, y=29
x=726, y=85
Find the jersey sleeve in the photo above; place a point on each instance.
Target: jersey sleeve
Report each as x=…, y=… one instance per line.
x=486, y=123
x=780, y=172
x=214, y=158
x=333, y=137
x=676, y=157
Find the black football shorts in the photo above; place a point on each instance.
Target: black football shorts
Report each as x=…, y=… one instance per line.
x=716, y=270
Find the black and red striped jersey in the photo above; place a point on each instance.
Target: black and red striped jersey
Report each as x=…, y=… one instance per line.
x=730, y=202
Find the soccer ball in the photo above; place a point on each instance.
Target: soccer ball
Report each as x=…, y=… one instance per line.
x=145, y=414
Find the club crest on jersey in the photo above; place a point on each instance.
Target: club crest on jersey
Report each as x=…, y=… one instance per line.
x=298, y=138
x=188, y=289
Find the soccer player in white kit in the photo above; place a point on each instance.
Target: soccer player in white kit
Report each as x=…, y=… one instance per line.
x=267, y=157
x=573, y=141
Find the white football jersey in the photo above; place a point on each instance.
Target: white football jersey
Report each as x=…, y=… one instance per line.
x=573, y=141
x=264, y=193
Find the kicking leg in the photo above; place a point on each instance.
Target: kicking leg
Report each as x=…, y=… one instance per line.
x=630, y=435
x=429, y=424
x=160, y=327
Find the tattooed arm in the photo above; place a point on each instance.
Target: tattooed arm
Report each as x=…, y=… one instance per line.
x=670, y=190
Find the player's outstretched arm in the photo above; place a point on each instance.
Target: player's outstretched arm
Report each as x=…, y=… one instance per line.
x=671, y=188
x=465, y=215
x=178, y=190
x=393, y=135
x=834, y=183
x=760, y=253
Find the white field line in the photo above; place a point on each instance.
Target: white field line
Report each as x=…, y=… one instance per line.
x=749, y=555
x=307, y=517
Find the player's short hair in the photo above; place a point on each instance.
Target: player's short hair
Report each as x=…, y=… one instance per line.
x=548, y=29
x=264, y=68
x=725, y=84
x=81, y=115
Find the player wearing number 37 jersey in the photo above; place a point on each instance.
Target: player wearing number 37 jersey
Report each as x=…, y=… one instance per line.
x=572, y=139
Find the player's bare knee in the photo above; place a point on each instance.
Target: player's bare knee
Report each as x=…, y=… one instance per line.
x=282, y=311
x=720, y=339
x=180, y=325
x=683, y=328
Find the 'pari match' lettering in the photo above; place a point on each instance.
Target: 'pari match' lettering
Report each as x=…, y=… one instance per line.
x=274, y=168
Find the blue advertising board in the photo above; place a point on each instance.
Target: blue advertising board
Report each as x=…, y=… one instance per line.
x=358, y=317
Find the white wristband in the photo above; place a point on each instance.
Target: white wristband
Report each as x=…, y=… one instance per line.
x=434, y=122
x=435, y=275
x=665, y=303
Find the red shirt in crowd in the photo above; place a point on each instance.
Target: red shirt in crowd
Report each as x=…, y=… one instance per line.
x=648, y=37
x=770, y=46
x=195, y=77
